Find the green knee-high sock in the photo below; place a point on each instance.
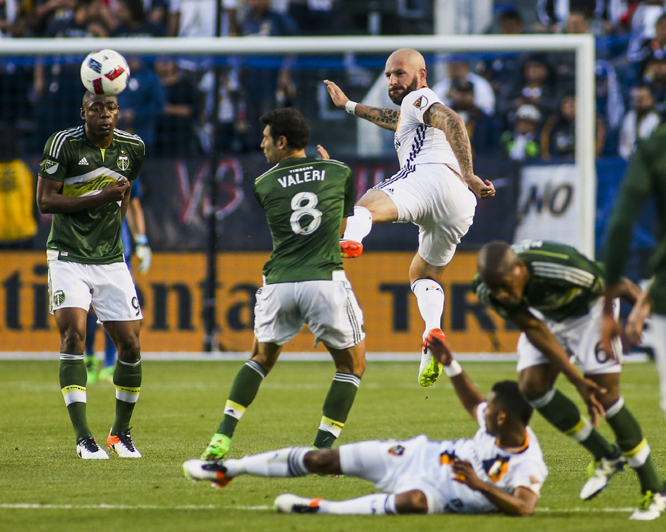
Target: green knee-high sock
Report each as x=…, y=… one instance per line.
x=337, y=405
x=243, y=391
x=634, y=447
x=127, y=380
x=73, y=380
x=563, y=414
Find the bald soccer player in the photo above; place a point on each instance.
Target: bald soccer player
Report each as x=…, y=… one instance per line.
x=431, y=189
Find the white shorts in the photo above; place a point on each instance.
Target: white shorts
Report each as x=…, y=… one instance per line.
x=433, y=197
x=108, y=287
x=329, y=308
x=395, y=466
x=580, y=338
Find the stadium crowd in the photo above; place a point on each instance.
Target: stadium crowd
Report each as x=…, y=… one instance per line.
x=518, y=106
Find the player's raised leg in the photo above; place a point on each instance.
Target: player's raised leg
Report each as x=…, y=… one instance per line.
x=374, y=207
x=243, y=391
x=73, y=378
x=127, y=381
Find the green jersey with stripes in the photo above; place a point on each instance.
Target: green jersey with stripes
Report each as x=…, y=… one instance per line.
x=90, y=236
x=562, y=282
x=305, y=200
x=645, y=179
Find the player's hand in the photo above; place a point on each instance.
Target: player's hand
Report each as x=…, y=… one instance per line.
x=116, y=191
x=589, y=390
x=143, y=253
x=464, y=473
x=483, y=189
x=636, y=323
x=323, y=154
x=439, y=350
x=339, y=98
x=610, y=330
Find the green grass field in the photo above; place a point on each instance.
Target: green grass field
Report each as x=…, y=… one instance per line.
x=45, y=487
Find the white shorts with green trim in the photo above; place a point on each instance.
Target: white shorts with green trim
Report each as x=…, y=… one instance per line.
x=580, y=338
x=329, y=308
x=109, y=288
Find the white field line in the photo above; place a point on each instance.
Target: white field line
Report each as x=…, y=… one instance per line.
x=31, y=506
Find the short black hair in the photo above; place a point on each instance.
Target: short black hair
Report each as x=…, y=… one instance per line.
x=136, y=8
x=510, y=13
x=509, y=399
x=290, y=124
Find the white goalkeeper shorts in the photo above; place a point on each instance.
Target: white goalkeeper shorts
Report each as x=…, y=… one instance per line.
x=396, y=466
x=581, y=339
x=329, y=308
x=433, y=197
x=109, y=288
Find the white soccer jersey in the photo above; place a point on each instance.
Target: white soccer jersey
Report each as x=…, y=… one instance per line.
x=416, y=142
x=507, y=469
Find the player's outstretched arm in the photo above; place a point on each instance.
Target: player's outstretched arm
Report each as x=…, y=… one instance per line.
x=446, y=119
x=466, y=390
x=384, y=118
x=50, y=199
x=544, y=340
x=522, y=502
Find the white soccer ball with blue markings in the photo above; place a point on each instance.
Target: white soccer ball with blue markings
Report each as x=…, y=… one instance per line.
x=105, y=73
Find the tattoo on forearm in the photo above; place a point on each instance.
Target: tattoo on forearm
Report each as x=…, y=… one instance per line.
x=446, y=119
x=386, y=118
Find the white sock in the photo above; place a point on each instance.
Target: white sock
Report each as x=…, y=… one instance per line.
x=287, y=462
x=430, y=299
x=375, y=504
x=359, y=225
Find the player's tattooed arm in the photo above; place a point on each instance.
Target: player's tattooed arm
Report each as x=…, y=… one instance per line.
x=446, y=119
x=385, y=118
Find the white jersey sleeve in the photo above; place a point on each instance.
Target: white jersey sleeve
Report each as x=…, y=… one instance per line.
x=415, y=141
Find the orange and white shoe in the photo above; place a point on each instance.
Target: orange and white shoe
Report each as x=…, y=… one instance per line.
x=430, y=369
x=123, y=444
x=288, y=503
x=212, y=470
x=351, y=249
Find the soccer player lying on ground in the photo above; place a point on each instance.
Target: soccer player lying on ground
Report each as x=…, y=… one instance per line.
x=554, y=295
x=500, y=469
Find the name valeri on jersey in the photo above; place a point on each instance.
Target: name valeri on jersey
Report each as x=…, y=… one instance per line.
x=296, y=179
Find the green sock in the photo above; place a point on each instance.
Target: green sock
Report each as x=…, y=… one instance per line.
x=90, y=362
x=127, y=380
x=243, y=391
x=337, y=405
x=563, y=414
x=634, y=447
x=73, y=378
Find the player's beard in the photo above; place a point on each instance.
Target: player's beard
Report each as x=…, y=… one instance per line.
x=397, y=97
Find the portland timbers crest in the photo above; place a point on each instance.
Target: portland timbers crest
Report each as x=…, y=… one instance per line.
x=123, y=161
x=58, y=298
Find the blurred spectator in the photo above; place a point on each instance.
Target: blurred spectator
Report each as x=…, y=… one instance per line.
x=521, y=142
x=75, y=23
x=482, y=129
x=141, y=102
x=14, y=18
x=639, y=122
x=644, y=19
x=605, y=13
x=198, y=18
x=43, y=12
x=458, y=69
x=17, y=195
x=176, y=125
x=132, y=21
x=505, y=69
x=655, y=77
x=537, y=87
x=609, y=102
x=510, y=22
x=318, y=17
x=157, y=11
x=641, y=52
x=15, y=84
x=558, y=136
x=269, y=86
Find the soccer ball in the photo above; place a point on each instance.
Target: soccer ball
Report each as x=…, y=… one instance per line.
x=105, y=73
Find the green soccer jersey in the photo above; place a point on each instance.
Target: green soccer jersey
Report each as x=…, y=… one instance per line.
x=305, y=200
x=562, y=284
x=646, y=178
x=90, y=236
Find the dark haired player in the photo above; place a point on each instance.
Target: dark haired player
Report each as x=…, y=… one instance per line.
x=85, y=179
x=306, y=201
x=500, y=469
